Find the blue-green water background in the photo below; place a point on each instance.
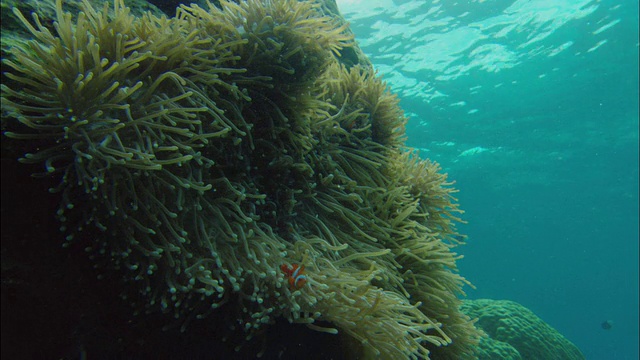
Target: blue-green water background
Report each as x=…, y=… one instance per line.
x=532, y=108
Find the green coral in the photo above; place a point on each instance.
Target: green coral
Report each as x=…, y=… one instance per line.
x=512, y=327
x=200, y=153
x=490, y=349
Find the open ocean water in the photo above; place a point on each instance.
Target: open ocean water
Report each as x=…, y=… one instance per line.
x=531, y=106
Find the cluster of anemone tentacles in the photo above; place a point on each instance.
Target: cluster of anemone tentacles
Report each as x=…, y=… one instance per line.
x=198, y=154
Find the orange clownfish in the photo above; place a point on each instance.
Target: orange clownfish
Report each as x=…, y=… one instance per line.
x=295, y=275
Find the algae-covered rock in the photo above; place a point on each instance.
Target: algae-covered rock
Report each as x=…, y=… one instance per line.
x=510, y=326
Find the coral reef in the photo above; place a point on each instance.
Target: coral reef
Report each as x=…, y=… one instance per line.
x=515, y=332
x=197, y=155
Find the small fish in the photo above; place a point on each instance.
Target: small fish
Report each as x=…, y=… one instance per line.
x=295, y=275
x=607, y=325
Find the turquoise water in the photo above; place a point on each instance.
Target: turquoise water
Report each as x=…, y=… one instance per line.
x=532, y=108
